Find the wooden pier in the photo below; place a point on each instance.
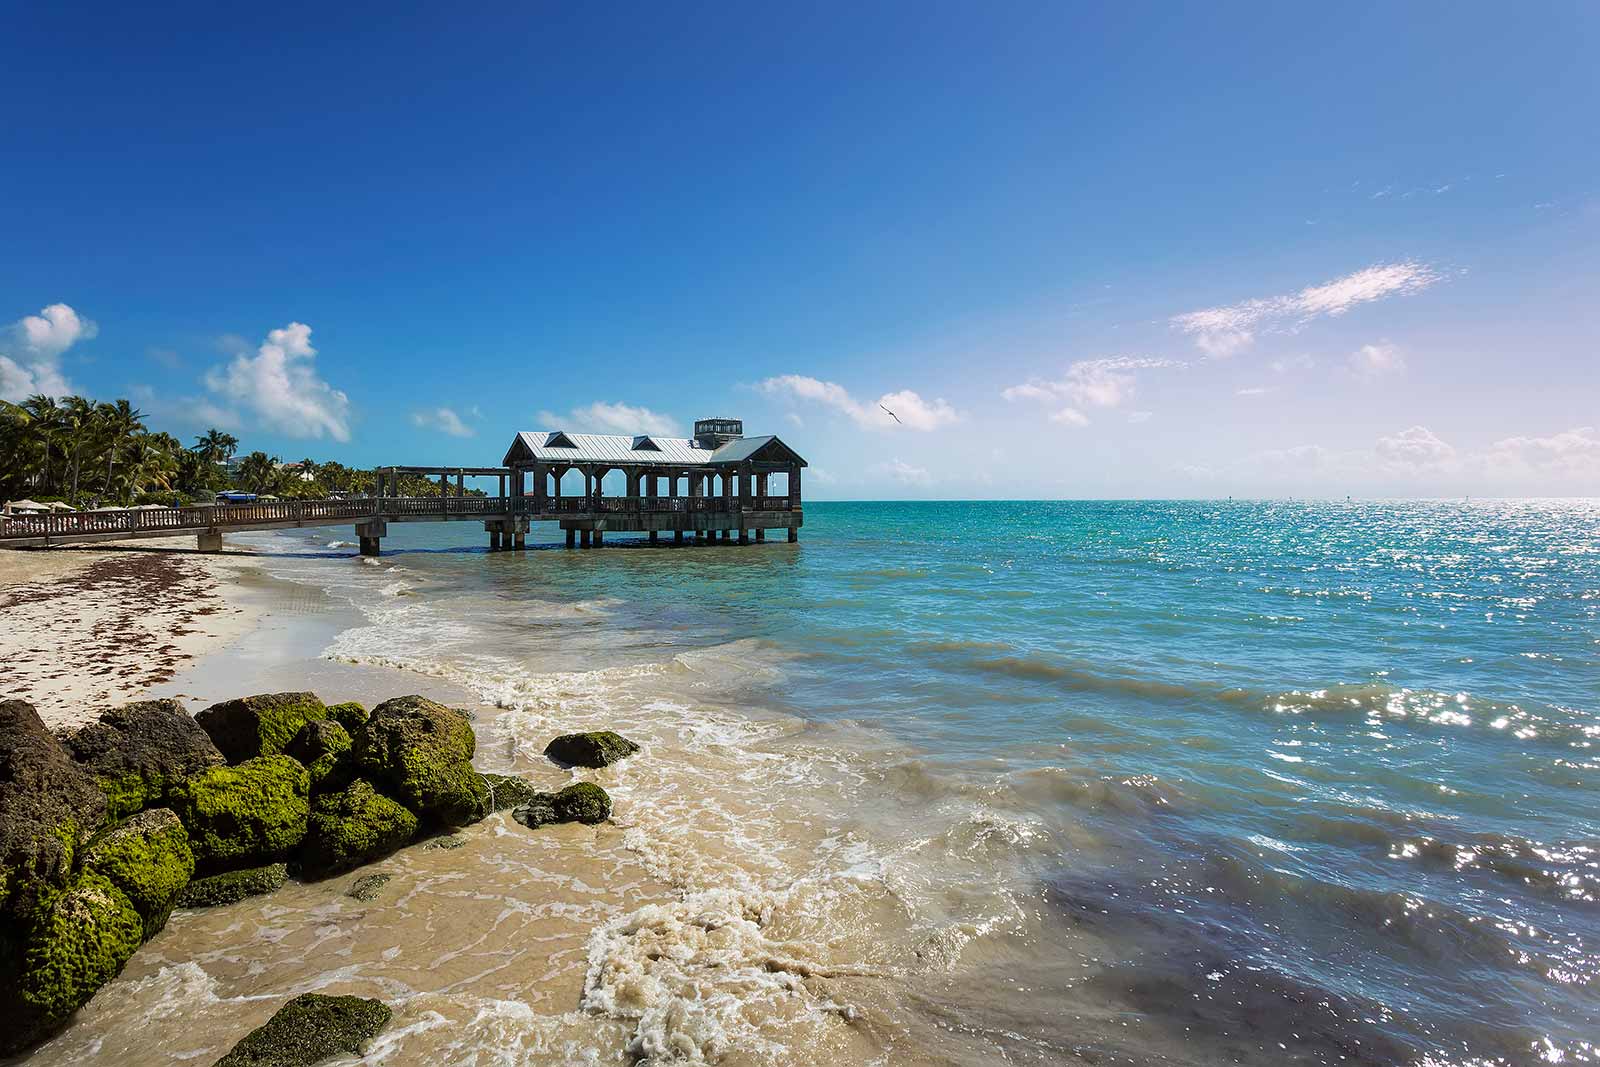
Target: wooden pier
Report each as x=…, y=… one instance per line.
x=726, y=482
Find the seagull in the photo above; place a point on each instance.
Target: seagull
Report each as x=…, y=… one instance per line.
x=892, y=415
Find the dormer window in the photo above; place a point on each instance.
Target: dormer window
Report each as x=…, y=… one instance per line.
x=642, y=443
x=558, y=440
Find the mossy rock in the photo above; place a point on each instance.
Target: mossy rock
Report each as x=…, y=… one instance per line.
x=582, y=802
x=367, y=887
x=139, y=751
x=230, y=887
x=245, y=815
x=354, y=827
x=261, y=725
x=324, y=747
x=508, y=791
x=350, y=715
x=149, y=859
x=309, y=1029
x=48, y=808
x=421, y=753
x=78, y=941
x=594, y=748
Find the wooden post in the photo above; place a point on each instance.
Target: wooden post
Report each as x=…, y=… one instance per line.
x=572, y=538
x=654, y=537
x=677, y=537
x=794, y=535
x=461, y=483
x=794, y=489
x=599, y=538
x=494, y=540
x=584, y=538
x=761, y=535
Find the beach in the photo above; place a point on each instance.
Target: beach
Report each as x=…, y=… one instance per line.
x=867, y=825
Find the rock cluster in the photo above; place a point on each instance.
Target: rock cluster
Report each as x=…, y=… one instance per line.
x=104, y=832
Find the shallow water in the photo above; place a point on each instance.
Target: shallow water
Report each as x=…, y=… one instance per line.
x=968, y=783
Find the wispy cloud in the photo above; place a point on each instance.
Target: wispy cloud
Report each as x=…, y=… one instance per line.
x=1222, y=331
x=905, y=409
x=280, y=386
x=1089, y=383
x=1375, y=361
x=604, y=417
x=31, y=350
x=445, y=420
x=898, y=470
x=1254, y=390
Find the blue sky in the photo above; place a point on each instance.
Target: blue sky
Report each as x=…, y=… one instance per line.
x=1079, y=251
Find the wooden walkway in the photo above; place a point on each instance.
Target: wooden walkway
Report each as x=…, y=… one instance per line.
x=505, y=518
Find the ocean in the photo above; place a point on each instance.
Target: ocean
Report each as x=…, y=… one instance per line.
x=974, y=783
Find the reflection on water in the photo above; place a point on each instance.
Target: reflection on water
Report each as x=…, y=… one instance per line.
x=967, y=783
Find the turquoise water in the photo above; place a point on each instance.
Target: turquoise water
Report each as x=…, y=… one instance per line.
x=1313, y=781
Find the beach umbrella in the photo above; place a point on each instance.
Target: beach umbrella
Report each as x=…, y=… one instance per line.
x=112, y=507
x=151, y=507
x=24, y=505
x=60, y=505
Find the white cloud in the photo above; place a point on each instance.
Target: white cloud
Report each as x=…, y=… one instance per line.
x=1088, y=383
x=603, y=417
x=1415, y=449
x=909, y=410
x=1254, y=390
x=445, y=420
x=31, y=362
x=280, y=386
x=900, y=471
x=1140, y=416
x=1222, y=331
x=1292, y=363
x=1377, y=361
x=1571, y=454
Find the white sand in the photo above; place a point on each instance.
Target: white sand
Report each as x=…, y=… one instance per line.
x=85, y=629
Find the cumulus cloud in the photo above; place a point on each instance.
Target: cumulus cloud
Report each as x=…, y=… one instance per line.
x=445, y=420
x=1222, y=331
x=31, y=349
x=1570, y=454
x=1088, y=383
x=603, y=417
x=899, y=470
x=1377, y=361
x=909, y=410
x=280, y=386
x=1415, y=449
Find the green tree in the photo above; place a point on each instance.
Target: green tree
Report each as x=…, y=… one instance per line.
x=257, y=472
x=119, y=423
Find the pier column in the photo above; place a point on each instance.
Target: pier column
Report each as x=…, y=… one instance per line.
x=654, y=537
x=699, y=537
x=599, y=539
x=677, y=537
x=369, y=534
x=209, y=540
x=794, y=534
x=494, y=540
x=572, y=538
x=761, y=535
x=744, y=536
x=584, y=537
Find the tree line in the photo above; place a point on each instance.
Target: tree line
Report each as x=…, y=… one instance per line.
x=92, y=454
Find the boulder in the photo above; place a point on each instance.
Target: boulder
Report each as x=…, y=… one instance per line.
x=260, y=725
x=583, y=802
x=508, y=792
x=233, y=886
x=324, y=747
x=77, y=941
x=420, y=752
x=246, y=815
x=595, y=748
x=350, y=715
x=138, y=751
x=353, y=827
x=48, y=808
x=367, y=887
x=309, y=1029
x=149, y=859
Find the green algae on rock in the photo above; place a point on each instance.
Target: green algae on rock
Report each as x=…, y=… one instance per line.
x=78, y=941
x=261, y=725
x=48, y=808
x=139, y=751
x=367, y=887
x=350, y=715
x=421, y=751
x=309, y=1029
x=230, y=887
x=324, y=747
x=593, y=748
x=353, y=827
x=508, y=791
x=582, y=802
x=149, y=859
x=245, y=815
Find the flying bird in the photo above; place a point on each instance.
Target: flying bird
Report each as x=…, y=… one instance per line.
x=892, y=415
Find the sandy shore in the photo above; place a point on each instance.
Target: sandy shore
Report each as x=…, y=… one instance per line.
x=89, y=628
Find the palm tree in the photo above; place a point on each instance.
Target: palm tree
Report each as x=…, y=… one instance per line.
x=257, y=471
x=119, y=422
x=45, y=424
x=216, y=446
x=78, y=423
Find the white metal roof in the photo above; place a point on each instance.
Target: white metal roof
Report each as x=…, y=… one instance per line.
x=620, y=449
